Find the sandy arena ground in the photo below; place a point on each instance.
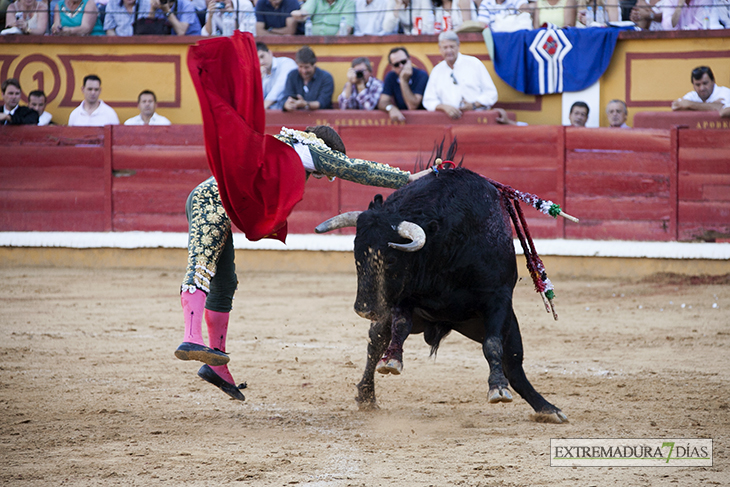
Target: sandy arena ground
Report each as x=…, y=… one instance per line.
x=91, y=394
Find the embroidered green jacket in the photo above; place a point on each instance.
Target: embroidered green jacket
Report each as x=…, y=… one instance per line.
x=333, y=164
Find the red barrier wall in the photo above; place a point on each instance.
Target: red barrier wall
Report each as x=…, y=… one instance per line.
x=623, y=184
x=704, y=184
x=54, y=179
x=686, y=118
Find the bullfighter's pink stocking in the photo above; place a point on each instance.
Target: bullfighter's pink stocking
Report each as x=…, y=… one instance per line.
x=217, y=331
x=193, y=305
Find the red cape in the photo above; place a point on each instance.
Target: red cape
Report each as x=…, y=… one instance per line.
x=260, y=179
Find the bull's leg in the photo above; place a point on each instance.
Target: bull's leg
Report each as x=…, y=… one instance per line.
x=514, y=371
x=392, y=360
x=378, y=340
x=493, y=351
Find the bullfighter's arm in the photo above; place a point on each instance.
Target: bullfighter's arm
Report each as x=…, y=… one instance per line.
x=335, y=164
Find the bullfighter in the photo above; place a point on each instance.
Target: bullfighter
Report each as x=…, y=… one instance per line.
x=257, y=180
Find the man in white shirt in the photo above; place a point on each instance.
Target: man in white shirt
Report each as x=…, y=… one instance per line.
x=37, y=101
x=274, y=71
x=369, y=15
x=147, y=104
x=707, y=96
x=92, y=112
x=458, y=83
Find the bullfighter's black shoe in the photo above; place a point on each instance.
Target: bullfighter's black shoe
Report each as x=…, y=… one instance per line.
x=208, y=375
x=201, y=353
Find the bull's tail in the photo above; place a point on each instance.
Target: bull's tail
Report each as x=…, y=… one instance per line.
x=433, y=334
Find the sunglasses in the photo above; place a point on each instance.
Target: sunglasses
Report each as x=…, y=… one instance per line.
x=400, y=63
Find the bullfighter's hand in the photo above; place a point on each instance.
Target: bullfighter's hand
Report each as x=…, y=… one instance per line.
x=419, y=175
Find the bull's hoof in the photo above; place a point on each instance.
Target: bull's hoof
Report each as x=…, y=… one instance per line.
x=389, y=366
x=366, y=404
x=557, y=417
x=499, y=395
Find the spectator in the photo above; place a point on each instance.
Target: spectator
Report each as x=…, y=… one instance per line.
x=147, y=104
x=459, y=82
x=503, y=119
x=308, y=88
x=119, y=17
x=452, y=13
x=648, y=14
x=617, y=113
x=271, y=17
x=686, y=14
x=33, y=16
x=92, y=112
x=37, y=102
x=490, y=10
x=14, y=114
x=362, y=90
x=578, y=115
x=707, y=96
x=181, y=16
x=562, y=13
x=241, y=12
x=274, y=71
x=401, y=16
x=327, y=15
x=369, y=15
x=76, y=18
x=403, y=87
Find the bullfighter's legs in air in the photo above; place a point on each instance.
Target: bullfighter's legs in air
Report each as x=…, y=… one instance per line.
x=208, y=288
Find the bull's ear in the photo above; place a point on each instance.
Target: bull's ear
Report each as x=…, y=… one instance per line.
x=377, y=202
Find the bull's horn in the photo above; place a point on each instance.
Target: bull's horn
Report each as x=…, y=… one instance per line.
x=348, y=219
x=413, y=232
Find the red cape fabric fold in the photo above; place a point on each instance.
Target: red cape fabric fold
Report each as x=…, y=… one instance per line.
x=260, y=179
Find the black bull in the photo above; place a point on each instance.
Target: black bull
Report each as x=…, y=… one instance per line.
x=438, y=256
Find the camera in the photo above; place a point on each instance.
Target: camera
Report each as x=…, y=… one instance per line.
x=18, y=15
x=220, y=5
x=359, y=74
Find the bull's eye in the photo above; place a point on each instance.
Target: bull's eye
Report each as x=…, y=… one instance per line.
x=390, y=261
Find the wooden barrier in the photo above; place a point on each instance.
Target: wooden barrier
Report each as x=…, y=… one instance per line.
x=648, y=184
x=154, y=169
x=54, y=179
x=376, y=118
x=622, y=183
x=703, y=185
x=685, y=118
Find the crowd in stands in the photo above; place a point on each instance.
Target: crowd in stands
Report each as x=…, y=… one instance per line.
x=92, y=112
x=346, y=17
x=457, y=84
